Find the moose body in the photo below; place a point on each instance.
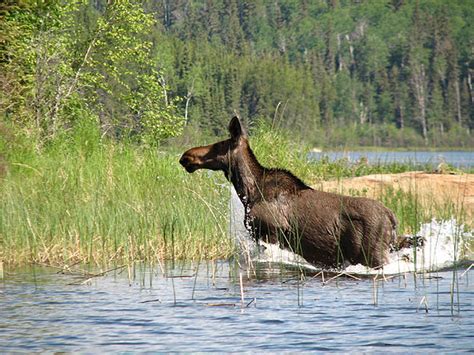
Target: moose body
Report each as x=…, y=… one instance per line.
x=327, y=229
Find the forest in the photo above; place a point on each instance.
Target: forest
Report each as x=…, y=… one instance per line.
x=332, y=73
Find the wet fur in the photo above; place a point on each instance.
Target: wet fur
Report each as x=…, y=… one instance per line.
x=327, y=229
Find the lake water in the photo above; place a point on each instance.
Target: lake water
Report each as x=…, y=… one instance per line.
x=198, y=308
x=281, y=304
x=458, y=159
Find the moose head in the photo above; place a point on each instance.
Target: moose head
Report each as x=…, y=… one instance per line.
x=217, y=156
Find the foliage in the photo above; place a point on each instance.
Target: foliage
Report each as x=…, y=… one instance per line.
x=60, y=70
x=90, y=88
x=275, y=149
x=335, y=73
x=390, y=73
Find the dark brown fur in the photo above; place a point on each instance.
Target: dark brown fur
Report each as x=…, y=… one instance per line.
x=326, y=229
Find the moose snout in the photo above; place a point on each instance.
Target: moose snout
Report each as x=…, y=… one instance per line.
x=184, y=160
x=187, y=161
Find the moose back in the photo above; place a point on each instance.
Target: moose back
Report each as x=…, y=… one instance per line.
x=327, y=229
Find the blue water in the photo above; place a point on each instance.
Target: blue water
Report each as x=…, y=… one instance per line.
x=199, y=309
x=458, y=159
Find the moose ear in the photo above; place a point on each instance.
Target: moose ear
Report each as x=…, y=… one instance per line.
x=235, y=128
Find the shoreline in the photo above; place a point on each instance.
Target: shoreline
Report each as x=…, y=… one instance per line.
x=431, y=189
x=392, y=149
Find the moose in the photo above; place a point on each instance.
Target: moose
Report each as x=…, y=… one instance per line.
x=327, y=229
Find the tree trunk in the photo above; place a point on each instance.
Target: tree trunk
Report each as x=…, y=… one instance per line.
x=186, y=108
x=469, y=84
x=458, y=102
x=419, y=82
x=162, y=81
x=399, y=114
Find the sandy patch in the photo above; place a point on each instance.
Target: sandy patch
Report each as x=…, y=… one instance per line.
x=430, y=188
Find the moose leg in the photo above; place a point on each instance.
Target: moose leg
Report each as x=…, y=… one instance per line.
x=407, y=241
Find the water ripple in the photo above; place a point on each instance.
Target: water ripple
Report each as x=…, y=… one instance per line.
x=206, y=314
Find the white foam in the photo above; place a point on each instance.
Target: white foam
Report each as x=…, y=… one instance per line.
x=445, y=242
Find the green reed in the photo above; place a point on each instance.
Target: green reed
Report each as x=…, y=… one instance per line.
x=113, y=201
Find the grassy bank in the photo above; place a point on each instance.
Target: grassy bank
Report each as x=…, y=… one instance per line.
x=86, y=199
x=110, y=202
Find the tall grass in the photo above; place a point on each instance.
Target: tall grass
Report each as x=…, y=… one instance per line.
x=83, y=198
x=98, y=202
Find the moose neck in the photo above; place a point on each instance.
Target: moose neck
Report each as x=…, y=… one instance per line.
x=246, y=174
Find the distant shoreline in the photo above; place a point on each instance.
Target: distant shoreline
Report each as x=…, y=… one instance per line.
x=390, y=149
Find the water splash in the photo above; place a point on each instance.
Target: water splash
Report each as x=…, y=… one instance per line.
x=445, y=245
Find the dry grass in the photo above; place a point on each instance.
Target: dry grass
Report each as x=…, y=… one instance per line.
x=427, y=187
